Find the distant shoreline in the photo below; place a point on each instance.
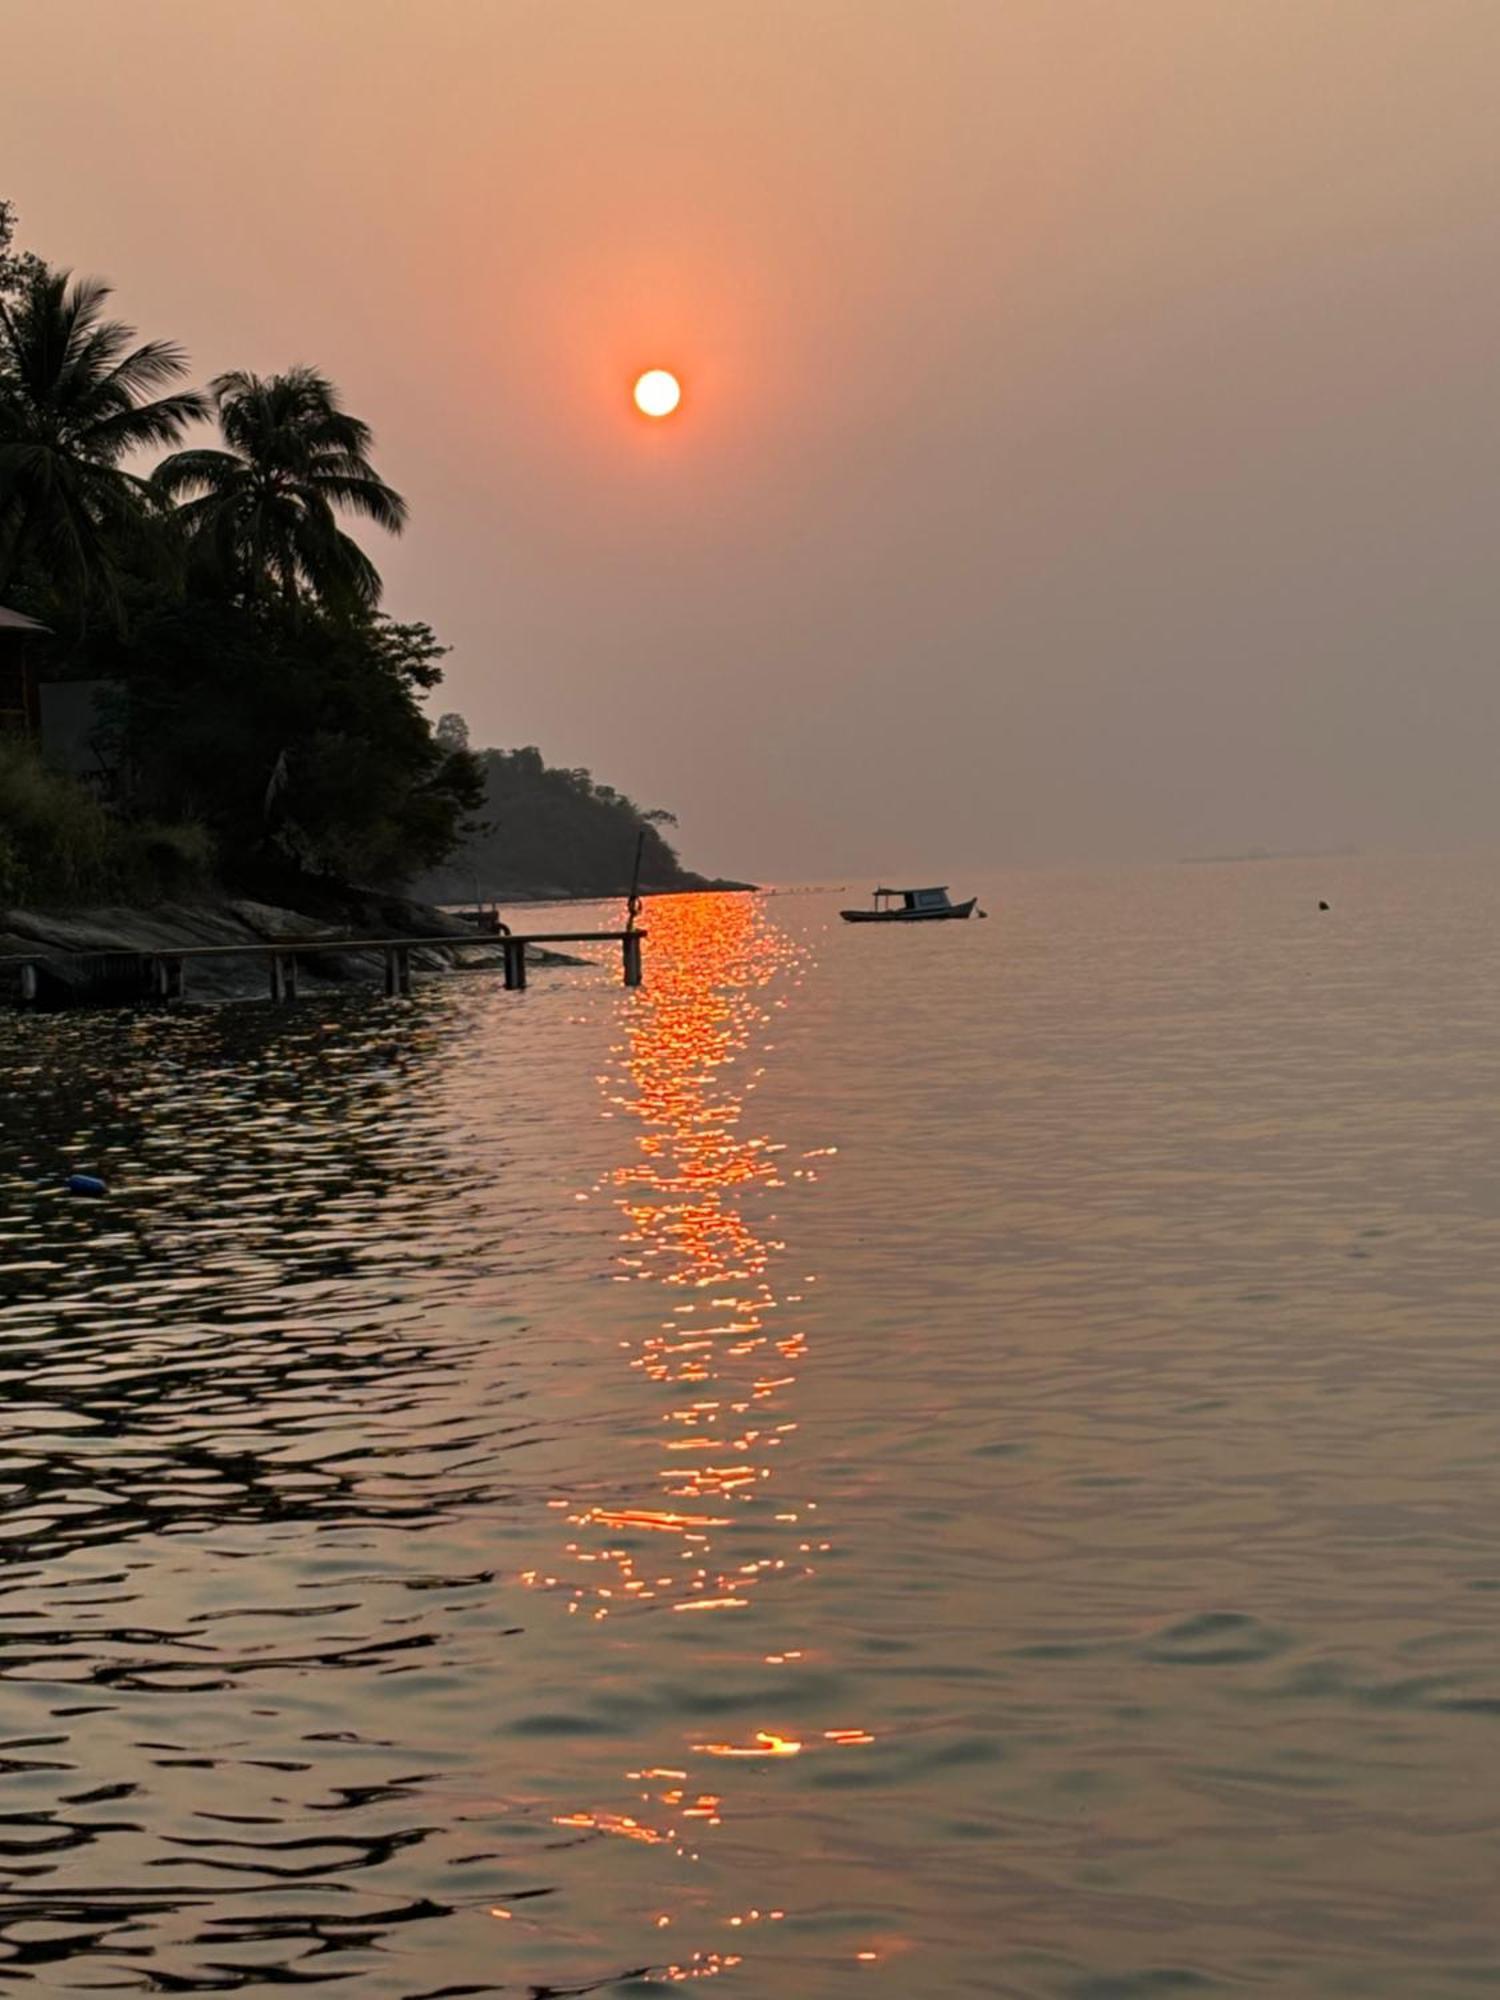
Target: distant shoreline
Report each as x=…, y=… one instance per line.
x=700, y=886
x=1268, y=854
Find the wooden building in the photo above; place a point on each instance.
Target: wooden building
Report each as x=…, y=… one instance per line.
x=20, y=705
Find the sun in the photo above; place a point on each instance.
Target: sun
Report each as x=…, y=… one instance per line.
x=657, y=393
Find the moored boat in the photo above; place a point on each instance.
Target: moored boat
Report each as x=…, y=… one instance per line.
x=910, y=906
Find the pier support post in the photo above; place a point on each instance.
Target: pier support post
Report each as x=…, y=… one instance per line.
x=514, y=953
x=283, y=976
x=397, y=972
x=167, y=978
x=631, y=953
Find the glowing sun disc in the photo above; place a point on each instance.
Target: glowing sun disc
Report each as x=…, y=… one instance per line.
x=657, y=393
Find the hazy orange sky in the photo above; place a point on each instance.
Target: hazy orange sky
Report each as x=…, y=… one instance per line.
x=1090, y=432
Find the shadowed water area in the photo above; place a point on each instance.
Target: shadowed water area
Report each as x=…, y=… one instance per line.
x=944, y=1461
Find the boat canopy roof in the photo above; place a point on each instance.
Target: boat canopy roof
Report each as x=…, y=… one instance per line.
x=940, y=890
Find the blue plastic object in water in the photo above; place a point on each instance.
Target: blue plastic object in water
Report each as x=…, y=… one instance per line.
x=85, y=1184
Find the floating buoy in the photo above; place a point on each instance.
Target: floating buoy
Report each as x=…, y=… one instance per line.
x=1324, y=906
x=84, y=1184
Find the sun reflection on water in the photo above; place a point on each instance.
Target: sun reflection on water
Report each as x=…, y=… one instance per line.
x=706, y=1530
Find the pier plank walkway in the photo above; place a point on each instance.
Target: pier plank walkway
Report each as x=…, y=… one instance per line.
x=164, y=969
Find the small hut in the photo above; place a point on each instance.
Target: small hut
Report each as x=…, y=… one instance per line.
x=20, y=706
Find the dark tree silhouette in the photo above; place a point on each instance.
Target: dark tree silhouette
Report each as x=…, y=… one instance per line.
x=77, y=398
x=263, y=510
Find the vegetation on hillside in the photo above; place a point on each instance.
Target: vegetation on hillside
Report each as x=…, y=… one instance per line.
x=559, y=831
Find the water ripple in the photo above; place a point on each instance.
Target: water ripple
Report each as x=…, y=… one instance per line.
x=953, y=1465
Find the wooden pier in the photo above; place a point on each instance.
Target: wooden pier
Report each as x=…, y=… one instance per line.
x=162, y=973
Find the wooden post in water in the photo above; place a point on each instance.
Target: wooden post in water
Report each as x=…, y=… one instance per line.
x=514, y=953
x=397, y=972
x=283, y=976
x=28, y=983
x=166, y=977
x=630, y=951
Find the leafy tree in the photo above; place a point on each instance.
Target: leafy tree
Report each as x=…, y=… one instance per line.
x=263, y=511
x=296, y=737
x=410, y=652
x=77, y=398
x=17, y=267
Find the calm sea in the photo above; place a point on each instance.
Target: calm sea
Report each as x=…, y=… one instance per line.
x=888, y=1462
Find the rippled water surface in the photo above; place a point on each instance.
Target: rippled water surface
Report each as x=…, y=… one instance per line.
x=959, y=1461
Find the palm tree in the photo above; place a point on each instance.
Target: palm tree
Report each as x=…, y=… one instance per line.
x=263, y=510
x=76, y=400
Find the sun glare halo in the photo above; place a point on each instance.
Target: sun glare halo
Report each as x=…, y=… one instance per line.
x=657, y=393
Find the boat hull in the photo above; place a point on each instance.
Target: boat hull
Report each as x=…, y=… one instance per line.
x=910, y=916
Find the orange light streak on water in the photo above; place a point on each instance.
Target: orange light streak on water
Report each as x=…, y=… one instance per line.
x=691, y=1224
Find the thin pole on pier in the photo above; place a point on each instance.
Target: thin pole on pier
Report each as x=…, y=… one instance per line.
x=630, y=944
x=635, y=880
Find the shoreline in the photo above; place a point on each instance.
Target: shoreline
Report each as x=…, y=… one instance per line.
x=700, y=886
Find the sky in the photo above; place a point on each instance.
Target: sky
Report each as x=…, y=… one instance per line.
x=1088, y=446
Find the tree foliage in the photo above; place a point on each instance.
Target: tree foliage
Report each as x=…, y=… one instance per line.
x=544, y=828
x=16, y=266
x=260, y=700
x=262, y=510
x=59, y=844
x=262, y=705
x=299, y=739
x=77, y=398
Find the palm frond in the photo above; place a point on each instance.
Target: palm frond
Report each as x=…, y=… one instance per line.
x=294, y=459
x=151, y=366
x=364, y=495
x=202, y=470
x=143, y=424
x=76, y=399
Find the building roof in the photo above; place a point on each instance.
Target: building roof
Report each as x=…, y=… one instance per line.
x=17, y=621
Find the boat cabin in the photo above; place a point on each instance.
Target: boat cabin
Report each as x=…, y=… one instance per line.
x=909, y=906
x=913, y=899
